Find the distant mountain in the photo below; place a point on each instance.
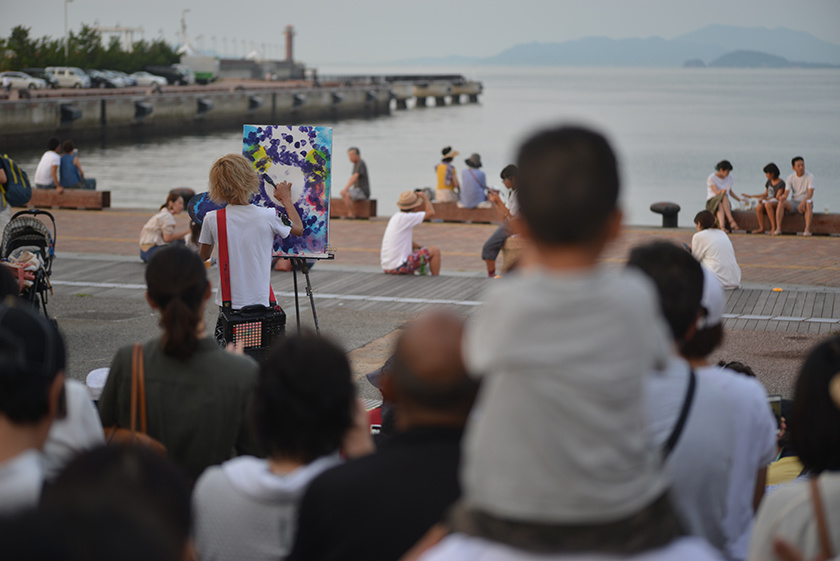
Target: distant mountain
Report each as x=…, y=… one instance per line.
x=783, y=42
x=706, y=44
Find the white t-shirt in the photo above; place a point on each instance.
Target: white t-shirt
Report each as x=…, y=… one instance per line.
x=21, y=479
x=699, y=465
x=457, y=547
x=43, y=174
x=725, y=184
x=754, y=428
x=251, y=231
x=396, y=242
x=789, y=513
x=712, y=248
x=558, y=429
x=799, y=186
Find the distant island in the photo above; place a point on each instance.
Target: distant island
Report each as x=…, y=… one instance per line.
x=726, y=46
x=754, y=59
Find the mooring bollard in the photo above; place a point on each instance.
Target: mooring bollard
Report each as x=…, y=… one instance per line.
x=669, y=212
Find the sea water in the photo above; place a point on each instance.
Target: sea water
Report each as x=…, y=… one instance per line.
x=669, y=127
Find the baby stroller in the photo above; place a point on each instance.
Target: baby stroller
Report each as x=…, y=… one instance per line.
x=27, y=241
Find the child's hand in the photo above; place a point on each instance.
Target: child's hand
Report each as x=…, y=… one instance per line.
x=283, y=192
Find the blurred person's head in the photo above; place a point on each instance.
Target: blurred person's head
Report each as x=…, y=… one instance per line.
x=678, y=278
x=428, y=383
x=32, y=363
x=53, y=143
x=177, y=285
x=174, y=203
x=508, y=175
x=354, y=154
x=772, y=171
x=67, y=147
x=704, y=220
x=305, y=398
x=815, y=419
x=233, y=180
x=568, y=187
x=723, y=168
x=133, y=480
x=798, y=165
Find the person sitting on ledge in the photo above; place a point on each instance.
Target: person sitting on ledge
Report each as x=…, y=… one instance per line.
x=399, y=254
x=447, y=178
x=474, y=185
x=71, y=173
x=768, y=200
x=799, y=196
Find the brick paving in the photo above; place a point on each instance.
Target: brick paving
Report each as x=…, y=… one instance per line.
x=813, y=261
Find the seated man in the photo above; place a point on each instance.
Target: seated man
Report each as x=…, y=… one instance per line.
x=798, y=197
x=46, y=174
x=400, y=255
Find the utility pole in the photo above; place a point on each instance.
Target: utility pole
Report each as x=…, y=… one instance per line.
x=66, y=33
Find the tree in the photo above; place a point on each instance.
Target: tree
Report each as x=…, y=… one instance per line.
x=22, y=48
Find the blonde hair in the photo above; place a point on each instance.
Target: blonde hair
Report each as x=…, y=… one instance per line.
x=233, y=180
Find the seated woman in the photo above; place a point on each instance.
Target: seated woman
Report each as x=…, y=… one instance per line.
x=196, y=393
x=304, y=410
x=474, y=185
x=447, y=178
x=804, y=515
x=769, y=199
x=712, y=248
x=160, y=228
x=718, y=190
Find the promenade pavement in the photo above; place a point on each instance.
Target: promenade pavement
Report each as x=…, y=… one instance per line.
x=789, y=300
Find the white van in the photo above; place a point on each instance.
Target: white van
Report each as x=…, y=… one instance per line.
x=69, y=77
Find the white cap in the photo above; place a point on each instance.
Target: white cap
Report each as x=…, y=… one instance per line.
x=95, y=382
x=712, y=301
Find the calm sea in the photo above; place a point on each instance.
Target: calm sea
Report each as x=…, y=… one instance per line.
x=669, y=126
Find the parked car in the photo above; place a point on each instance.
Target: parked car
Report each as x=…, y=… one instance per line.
x=43, y=75
x=173, y=75
x=127, y=79
x=70, y=76
x=100, y=80
x=113, y=75
x=148, y=79
x=22, y=80
x=188, y=73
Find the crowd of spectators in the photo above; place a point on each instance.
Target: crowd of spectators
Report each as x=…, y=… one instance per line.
x=573, y=416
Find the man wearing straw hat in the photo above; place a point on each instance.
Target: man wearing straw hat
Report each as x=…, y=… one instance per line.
x=400, y=255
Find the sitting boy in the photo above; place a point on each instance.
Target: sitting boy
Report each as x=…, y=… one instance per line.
x=399, y=254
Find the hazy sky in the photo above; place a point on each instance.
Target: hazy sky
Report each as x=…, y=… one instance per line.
x=372, y=31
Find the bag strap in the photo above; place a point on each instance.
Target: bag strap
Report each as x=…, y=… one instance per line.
x=224, y=264
x=141, y=387
x=680, y=425
x=819, y=514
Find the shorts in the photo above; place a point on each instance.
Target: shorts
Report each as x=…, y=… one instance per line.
x=357, y=194
x=412, y=263
x=794, y=205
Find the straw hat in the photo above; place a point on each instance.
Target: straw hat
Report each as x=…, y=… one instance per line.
x=448, y=152
x=409, y=200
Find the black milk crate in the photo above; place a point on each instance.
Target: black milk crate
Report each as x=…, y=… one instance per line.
x=256, y=327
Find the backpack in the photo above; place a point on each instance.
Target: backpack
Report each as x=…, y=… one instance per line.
x=17, y=190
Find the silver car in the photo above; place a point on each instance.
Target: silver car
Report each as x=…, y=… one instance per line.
x=148, y=79
x=21, y=80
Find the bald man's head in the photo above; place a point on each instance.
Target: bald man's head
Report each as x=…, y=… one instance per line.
x=429, y=373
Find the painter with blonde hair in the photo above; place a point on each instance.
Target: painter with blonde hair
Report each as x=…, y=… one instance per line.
x=250, y=231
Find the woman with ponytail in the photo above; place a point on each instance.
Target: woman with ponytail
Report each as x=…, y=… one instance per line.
x=196, y=393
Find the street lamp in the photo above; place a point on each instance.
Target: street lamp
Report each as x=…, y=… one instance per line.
x=66, y=36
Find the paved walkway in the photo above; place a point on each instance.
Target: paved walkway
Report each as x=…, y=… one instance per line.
x=789, y=300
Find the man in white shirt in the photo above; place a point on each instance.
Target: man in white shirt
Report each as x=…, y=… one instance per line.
x=798, y=197
x=399, y=254
x=46, y=175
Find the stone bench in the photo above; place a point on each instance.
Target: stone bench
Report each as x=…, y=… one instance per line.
x=70, y=198
x=451, y=212
x=363, y=209
x=793, y=223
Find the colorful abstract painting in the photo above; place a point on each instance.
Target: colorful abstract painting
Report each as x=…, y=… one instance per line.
x=302, y=156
